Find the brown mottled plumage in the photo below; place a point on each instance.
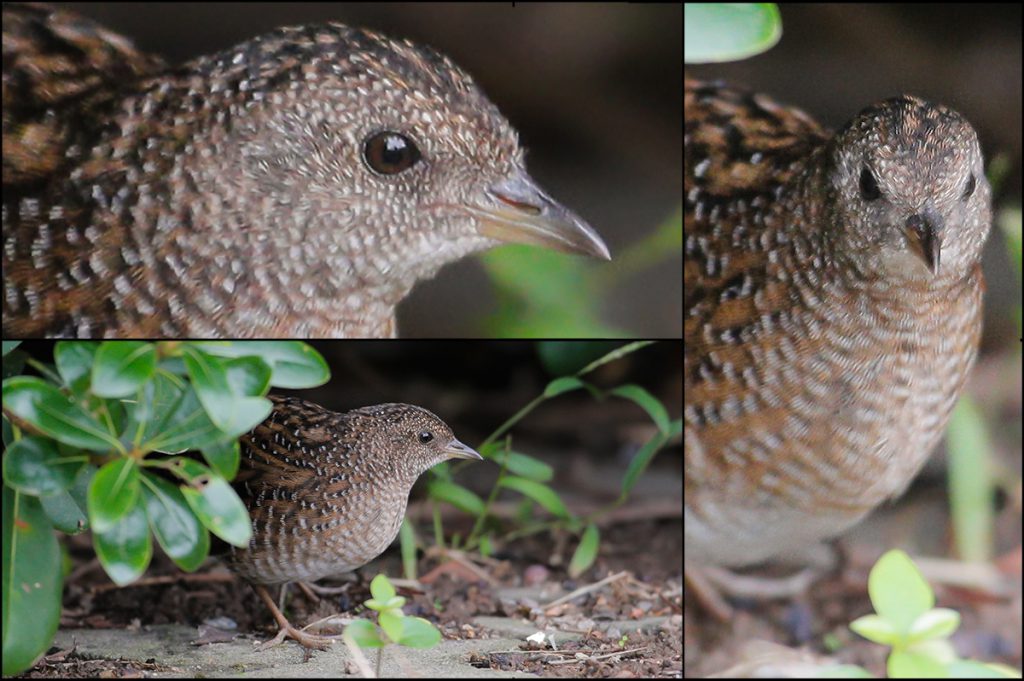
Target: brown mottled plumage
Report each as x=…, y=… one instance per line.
x=298, y=184
x=327, y=491
x=832, y=311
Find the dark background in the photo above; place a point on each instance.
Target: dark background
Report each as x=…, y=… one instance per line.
x=835, y=59
x=476, y=386
x=594, y=91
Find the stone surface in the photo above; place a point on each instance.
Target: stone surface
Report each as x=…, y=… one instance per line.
x=298, y=184
x=832, y=310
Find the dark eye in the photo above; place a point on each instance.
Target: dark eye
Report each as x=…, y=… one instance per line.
x=389, y=153
x=425, y=436
x=868, y=186
x=969, y=188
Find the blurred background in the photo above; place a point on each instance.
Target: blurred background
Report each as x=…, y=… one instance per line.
x=594, y=91
x=476, y=386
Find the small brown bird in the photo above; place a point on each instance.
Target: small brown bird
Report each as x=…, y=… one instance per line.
x=832, y=299
x=327, y=491
x=296, y=185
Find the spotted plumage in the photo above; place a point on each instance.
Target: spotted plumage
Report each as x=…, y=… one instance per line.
x=832, y=309
x=298, y=184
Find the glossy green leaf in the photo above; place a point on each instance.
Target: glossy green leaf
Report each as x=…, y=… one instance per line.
x=220, y=509
x=121, y=367
x=74, y=360
x=32, y=582
x=233, y=414
x=52, y=413
x=124, y=548
x=719, y=32
x=179, y=533
x=293, y=364
x=113, y=493
x=34, y=465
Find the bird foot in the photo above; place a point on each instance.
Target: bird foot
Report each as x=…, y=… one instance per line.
x=709, y=583
x=304, y=639
x=286, y=629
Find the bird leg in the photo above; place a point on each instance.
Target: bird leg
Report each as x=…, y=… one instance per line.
x=286, y=628
x=706, y=593
x=709, y=583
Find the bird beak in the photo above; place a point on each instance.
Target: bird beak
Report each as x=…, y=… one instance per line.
x=924, y=240
x=457, y=450
x=516, y=210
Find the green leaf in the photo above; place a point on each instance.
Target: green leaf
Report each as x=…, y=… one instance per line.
x=217, y=505
x=898, y=591
x=526, y=466
x=914, y=665
x=971, y=484
x=877, y=629
x=54, y=414
x=120, y=367
x=381, y=588
x=654, y=408
x=124, y=549
x=179, y=533
x=934, y=624
x=418, y=633
x=562, y=385
x=224, y=457
x=74, y=361
x=293, y=364
x=247, y=376
x=391, y=623
x=32, y=582
x=113, y=493
x=541, y=494
x=232, y=413
x=456, y=495
x=179, y=422
x=66, y=510
x=33, y=465
x=586, y=552
x=729, y=31
x=365, y=634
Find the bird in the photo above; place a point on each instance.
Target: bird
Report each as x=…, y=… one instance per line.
x=295, y=185
x=327, y=491
x=832, y=312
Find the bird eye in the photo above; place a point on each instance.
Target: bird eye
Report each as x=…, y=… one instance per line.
x=389, y=153
x=425, y=436
x=868, y=186
x=969, y=188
